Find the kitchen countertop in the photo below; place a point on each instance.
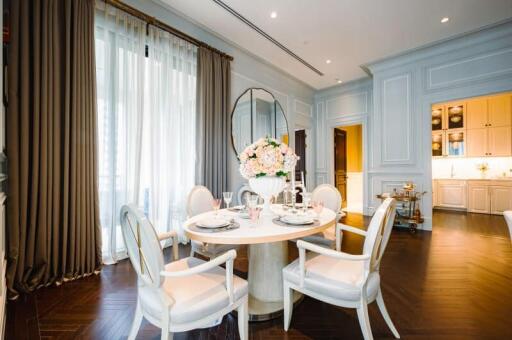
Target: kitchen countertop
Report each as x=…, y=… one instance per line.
x=475, y=179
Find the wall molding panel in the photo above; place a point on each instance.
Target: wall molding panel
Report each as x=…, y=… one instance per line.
x=481, y=67
x=399, y=97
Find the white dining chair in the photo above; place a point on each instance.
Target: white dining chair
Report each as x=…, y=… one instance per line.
x=341, y=279
x=508, y=219
x=182, y=295
x=200, y=201
x=332, y=199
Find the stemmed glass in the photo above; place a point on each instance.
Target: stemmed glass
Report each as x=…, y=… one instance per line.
x=318, y=206
x=228, y=196
x=216, y=205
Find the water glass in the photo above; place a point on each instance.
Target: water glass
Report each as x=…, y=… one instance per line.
x=228, y=196
x=251, y=201
x=216, y=205
x=254, y=214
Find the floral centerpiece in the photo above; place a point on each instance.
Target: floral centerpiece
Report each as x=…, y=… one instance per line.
x=266, y=163
x=483, y=168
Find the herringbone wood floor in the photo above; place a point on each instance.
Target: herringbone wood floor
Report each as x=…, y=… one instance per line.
x=453, y=283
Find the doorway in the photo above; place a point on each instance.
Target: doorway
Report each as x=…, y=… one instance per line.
x=300, y=150
x=348, y=166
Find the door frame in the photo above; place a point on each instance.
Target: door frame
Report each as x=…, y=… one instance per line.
x=363, y=121
x=310, y=165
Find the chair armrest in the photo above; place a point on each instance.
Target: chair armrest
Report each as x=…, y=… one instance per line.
x=303, y=246
x=174, y=235
x=348, y=228
x=228, y=258
x=339, y=234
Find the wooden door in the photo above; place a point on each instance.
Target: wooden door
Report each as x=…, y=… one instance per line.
x=300, y=150
x=500, y=141
x=478, y=199
x=477, y=142
x=501, y=199
x=476, y=113
x=500, y=111
x=340, y=164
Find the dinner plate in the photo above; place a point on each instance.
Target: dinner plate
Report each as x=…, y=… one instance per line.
x=212, y=223
x=297, y=219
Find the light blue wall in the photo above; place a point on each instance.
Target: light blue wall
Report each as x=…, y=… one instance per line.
x=295, y=97
x=396, y=105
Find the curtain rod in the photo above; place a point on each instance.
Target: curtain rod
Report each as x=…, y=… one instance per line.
x=157, y=23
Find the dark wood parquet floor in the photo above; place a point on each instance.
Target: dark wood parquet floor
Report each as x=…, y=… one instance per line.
x=453, y=283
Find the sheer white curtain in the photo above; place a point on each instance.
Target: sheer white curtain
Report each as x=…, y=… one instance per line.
x=146, y=117
x=169, y=129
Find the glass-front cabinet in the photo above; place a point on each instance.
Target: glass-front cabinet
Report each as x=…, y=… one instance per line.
x=448, y=129
x=455, y=142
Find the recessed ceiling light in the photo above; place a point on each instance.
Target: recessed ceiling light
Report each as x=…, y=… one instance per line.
x=445, y=20
x=273, y=14
x=328, y=61
x=339, y=81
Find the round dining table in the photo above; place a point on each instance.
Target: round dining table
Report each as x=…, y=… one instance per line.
x=267, y=241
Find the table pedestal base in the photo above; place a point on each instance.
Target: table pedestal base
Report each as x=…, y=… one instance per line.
x=266, y=263
x=263, y=311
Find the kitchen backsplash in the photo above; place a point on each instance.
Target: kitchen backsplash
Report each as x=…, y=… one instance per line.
x=467, y=167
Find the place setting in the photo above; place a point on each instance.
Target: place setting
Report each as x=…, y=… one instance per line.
x=214, y=223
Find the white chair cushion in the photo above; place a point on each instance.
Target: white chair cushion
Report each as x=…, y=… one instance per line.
x=332, y=277
x=195, y=296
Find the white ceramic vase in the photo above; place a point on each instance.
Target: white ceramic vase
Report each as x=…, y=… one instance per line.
x=266, y=187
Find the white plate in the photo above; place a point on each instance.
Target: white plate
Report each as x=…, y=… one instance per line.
x=212, y=223
x=297, y=220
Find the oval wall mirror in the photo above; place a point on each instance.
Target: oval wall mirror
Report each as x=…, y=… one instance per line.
x=257, y=114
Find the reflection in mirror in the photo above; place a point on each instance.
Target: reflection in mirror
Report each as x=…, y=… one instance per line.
x=257, y=114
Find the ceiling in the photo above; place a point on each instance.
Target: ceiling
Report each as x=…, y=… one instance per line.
x=350, y=33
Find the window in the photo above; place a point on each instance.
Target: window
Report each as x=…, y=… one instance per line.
x=146, y=83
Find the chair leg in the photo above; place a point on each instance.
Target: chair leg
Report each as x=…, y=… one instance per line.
x=339, y=238
x=288, y=306
x=364, y=320
x=166, y=335
x=385, y=315
x=243, y=319
x=137, y=320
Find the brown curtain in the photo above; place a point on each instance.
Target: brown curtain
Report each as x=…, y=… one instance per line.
x=53, y=231
x=213, y=120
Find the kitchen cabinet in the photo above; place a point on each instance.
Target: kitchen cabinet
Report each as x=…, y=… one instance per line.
x=477, y=112
x=489, y=126
x=451, y=193
x=478, y=198
x=499, y=141
x=477, y=142
x=501, y=199
x=499, y=111
x=448, y=132
x=489, y=196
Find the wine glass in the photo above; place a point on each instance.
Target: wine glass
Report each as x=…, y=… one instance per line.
x=318, y=206
x=251, y=201
x=228, y=196
x=216, y=205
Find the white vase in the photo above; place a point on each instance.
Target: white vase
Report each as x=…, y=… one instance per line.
x=266, y=187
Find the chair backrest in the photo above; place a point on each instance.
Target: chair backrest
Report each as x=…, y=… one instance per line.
x=329, y=195
x=508, y=218
x=389, y=221
x=199, y=201
x=142, y=245
x=379, y=231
